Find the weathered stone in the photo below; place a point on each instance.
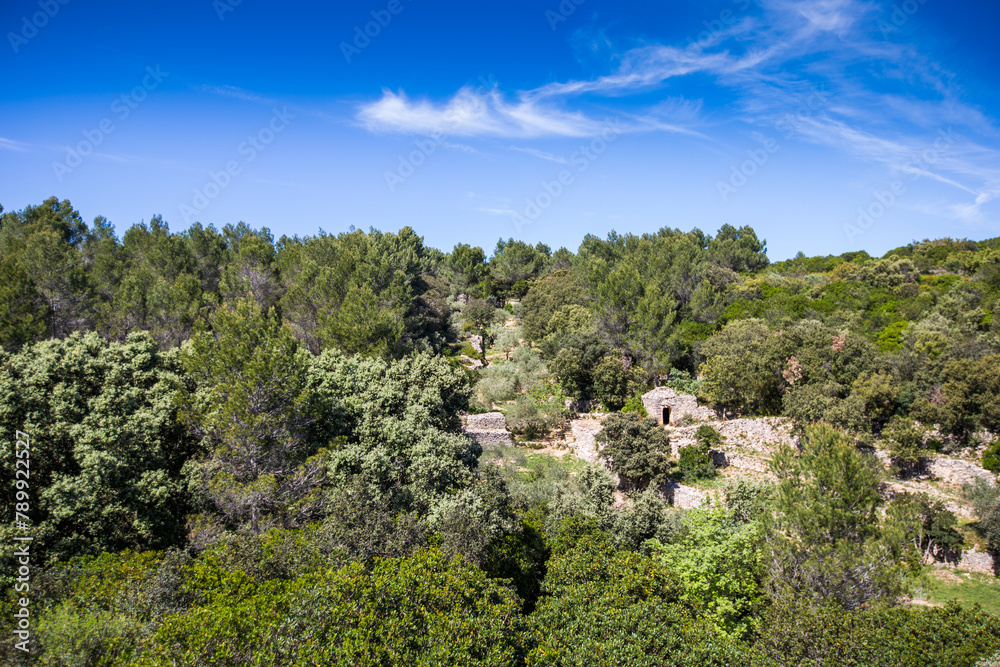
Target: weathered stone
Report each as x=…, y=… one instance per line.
x=476, y=341
x=488, y=429
x=485, y=422
x=684, y=497
x=584, y=443
x=956, y=472
x=668, y=407
x=973, y=561
x=755, y=435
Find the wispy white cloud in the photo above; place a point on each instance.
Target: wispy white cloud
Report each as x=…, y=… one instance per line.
x=820, y=62
x=498, y=211
x=473, y=113
x=236, y=93
x=541, y=154
x=11, y=145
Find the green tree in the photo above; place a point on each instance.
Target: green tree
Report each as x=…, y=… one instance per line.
x=638, y=449
x=742, y=371
x=41, y=247
x=609, y=607
x=252, y=408
x=422, y=610
x=467, y=266
x=738, y=249
x=544, y=300
x=695, y=461
x=106, y=448
x=827, y=539
x=718, y=561
x=395, y=427
x=615, y=382
x=985, y=499
x=357, y=292
x=513, y=261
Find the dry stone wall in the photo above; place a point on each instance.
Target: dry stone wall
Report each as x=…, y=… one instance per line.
x=584, y=443
x=488, y=429
x=956, y=472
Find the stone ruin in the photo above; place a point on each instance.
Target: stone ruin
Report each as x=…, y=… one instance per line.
x=488, y=429
x=668, y=407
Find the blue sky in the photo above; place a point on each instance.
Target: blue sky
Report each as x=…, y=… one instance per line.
x=827, y=125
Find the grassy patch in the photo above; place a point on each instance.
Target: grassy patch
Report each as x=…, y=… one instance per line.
x=966, y=588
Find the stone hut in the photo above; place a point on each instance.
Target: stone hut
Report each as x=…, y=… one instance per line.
x=667, y=406
x=489, y=429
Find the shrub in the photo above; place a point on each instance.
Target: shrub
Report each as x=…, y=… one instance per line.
x=639, y=450
x=695, y=463
x=991, y=457
x=708, y=437
x=614, y=384
x=635, y=405
x=798, y=633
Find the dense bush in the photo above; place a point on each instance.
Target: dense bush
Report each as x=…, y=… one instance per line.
x=638, y=450
x=280, y=420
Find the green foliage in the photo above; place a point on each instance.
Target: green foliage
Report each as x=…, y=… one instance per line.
x=106, y=447
x=694, y=465
x=695, y=462
x=525, y=372
x=991, y=457
x=534, y=415
x=575, y=359
x=967, y=398
x=742, y=371
x=906, y=442
x=800, y=633
x=985, y=499
x=515, y=261
x=363, y=293
x=395, y=426
x=682, y=382
x=614, y=384
x=423, y=610
x=647, y=517
x=467, y=266
x=826, y=538
x=635, y=405
x=253, y=408
x=933, y=529
x=708, y=437
x=638, y=450
x=718, y=561
x=610, y=607
x=545, y=299
x=40, y=249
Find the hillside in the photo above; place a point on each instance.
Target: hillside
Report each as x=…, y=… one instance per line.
x=357, y=449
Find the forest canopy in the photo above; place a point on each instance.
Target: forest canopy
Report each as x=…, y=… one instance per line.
x=249, y=450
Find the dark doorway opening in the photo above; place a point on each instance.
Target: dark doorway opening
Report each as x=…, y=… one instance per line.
x=666, y=415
